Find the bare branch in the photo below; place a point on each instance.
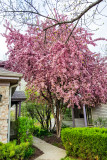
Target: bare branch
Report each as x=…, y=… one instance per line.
x=71, y=32
x=32, y=6
x=32, y=12
x=78, y=17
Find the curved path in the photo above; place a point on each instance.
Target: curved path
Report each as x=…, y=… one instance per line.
x=50, y=152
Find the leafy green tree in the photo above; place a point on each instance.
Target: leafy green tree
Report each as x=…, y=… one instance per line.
x=40, y=112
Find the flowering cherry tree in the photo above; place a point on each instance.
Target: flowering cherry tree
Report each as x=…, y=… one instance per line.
x=62, y=71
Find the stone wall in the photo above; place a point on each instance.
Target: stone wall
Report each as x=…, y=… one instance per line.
x=4, y=104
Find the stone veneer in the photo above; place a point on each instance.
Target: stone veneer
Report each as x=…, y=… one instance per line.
x=4, y=105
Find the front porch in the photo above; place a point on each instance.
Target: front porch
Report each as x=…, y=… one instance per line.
x=16, y=100
x=82, y=117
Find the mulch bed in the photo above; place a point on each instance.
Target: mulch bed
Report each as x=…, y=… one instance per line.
x=54, y=140
x=36, y=154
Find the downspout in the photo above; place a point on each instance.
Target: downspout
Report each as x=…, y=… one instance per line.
x=10, y=92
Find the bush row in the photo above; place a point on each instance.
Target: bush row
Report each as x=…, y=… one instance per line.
x=11, y=151
x=86, y=143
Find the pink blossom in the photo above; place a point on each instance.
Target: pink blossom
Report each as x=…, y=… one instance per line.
x=64, y=70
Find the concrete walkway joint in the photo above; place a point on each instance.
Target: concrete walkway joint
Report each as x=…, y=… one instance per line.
x=50, y=152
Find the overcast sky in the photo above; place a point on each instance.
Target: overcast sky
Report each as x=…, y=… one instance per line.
x=101, y=32
x=3, y=48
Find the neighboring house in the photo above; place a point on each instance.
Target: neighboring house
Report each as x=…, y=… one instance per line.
x=86, y=116
x=8, y=82
x=100, y=111
x=22, y=85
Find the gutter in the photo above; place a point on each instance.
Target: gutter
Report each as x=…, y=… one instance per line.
x=10, y=92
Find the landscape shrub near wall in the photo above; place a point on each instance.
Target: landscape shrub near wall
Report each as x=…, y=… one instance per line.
x=25, y=128
x=86, y=143
x=11, y=151
x=21, y=148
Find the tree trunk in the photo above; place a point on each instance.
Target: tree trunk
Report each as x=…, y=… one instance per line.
x=50, y=125
x=58, y=114
x=58, y=118
x=58, y=127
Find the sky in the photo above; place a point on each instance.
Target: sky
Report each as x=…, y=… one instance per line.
x=3, y=46
x=101, y=32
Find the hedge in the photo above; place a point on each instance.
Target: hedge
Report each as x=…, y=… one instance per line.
x=86, y=143
x=11, y=151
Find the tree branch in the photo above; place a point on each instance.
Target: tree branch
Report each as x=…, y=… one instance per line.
x=32, y=6
x=78, y=17
x=71, y=32
x=45, y=96
x=31, y=13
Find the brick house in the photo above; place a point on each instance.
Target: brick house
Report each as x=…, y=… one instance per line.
x=8, y=82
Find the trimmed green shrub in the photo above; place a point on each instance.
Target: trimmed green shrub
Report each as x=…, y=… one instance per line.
x=25, y=129
x=11, y=151
x=86, y=143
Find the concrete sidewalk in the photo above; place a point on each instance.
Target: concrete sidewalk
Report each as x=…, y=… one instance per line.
x=50, y=152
